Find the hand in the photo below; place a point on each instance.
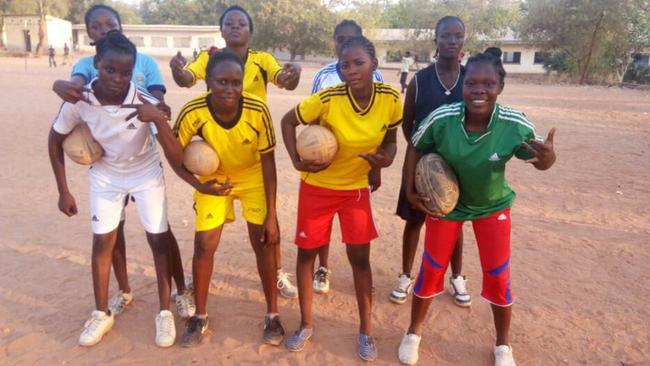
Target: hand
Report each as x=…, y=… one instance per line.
x=271, y=234
x=71, y=92
x=215, y=188
x=178, y=62
x=146, y=111
x=310, y=166
x=543, y=153
x=67, y=204
x=374, y=179
x=289, y=74
x=419, y=202
x=165, y=109
x=377, y=160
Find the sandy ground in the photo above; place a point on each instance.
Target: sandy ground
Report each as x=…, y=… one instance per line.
x=581, y=248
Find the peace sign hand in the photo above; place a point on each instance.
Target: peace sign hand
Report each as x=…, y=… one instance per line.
x=543, y=153
x=147, y=112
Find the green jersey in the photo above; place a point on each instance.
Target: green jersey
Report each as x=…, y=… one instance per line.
x=478, y=158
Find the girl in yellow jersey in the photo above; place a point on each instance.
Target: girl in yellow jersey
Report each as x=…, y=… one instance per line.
x=238, y=126
x=260, y=68
x=364, y=116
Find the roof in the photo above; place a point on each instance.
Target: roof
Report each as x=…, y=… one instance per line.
x=161, y=27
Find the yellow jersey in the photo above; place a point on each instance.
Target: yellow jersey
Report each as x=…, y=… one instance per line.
x=260, y=68
x=238, y=147
x=357, y=131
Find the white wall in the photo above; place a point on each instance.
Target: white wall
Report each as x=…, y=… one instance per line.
x=57, y=32
x=526, y=64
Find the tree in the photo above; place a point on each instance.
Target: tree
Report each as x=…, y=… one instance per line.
x=598, y=36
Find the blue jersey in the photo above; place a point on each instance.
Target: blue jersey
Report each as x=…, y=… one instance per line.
x=330, y=75
x=146, y=74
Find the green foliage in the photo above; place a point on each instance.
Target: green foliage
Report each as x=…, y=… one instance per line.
x=556, y=61
x=638, y=73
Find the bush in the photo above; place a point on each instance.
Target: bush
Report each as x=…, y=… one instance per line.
x=557, y=62
x=637, y=73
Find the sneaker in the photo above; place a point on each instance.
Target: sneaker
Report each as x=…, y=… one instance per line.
x=408, y=349
x=95, y=328
x=273, y=331
x=404, y=287
x=189, y=286
x=119, y=302
x=503, y=356
x=165, y=329
x=322, y=280
x=458, y=289
x=296, y=341
x=367, y=348
x=287, y=289
x=185, y=304
x=194, y=331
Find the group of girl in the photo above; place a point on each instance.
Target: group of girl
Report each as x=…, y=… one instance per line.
x=119, y=94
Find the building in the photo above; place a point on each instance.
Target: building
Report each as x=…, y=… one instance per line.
x=160, y=39
x=20, y=33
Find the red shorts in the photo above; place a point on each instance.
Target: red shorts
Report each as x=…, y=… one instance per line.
x=316, y=209
x=493, y=239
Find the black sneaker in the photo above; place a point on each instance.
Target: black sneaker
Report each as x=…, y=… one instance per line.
x=273, y=331
x=194, y=331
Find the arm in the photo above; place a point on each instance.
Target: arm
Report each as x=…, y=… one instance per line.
x=289, y=77
x=409, y=111
x=71, y=91
x=67, y=203
x=271, y=228
x=289, y=124
x=412, y=157
x=182, y=77
x=543, y=152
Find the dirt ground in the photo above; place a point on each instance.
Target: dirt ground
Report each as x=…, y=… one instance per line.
x=580, y=268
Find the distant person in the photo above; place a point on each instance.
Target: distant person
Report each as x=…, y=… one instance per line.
x=330, y=75
x=407, y=63
x=195, y=53
x=260, y=69
x=66, y=54
x=51, y=53
x=477, y=137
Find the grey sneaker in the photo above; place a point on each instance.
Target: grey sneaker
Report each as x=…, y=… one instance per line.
x=194, y=331
x=296, y=341
x=322, y=280
x=273, y=331
x=458, y=289
x=119, y=302
x=367, y=348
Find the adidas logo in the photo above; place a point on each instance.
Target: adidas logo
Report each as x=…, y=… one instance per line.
x=256, y=78
x=131, y=126
x=246, y=142
x=95, y=219
x=494, y=157
x=384, y=128
x=209, y=216
x=502, y=217
x=302, y=235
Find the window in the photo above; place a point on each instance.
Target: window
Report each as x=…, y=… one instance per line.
x=159, y=42
x=137, y=41
x=511, y=57
x=86, y=40
x=540, y=57
x=206, y=42
x=182, y=42
x=640, y=58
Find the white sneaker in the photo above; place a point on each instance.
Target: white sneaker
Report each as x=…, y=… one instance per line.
x=185, y=304
x=118, y=303
x=503, y=356
x=165, y=329
x=287, y=289
x=322, y=280
x=408, y=349
x=404, y=287
x=95, y=328
x=458, y=289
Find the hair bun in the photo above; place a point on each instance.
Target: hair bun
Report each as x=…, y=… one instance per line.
x=493, y=51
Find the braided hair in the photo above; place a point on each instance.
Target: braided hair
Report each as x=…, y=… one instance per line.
x=348, y=23
x=360, y=41
x=222, y=56
x=89, y=14
x=117, y=42
x=236, y=8
x=446, y=19
x=491, y=56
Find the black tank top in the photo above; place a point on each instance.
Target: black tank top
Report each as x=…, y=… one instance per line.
x=430, y=94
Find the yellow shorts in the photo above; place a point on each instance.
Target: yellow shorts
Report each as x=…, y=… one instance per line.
x=214, y=211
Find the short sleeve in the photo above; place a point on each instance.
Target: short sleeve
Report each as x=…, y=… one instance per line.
x=315, y=86
x=396, y=116
x=198, y=66
x=377, y=76
x=266, y=142
x=186, y=125
x=67, y=119
x=152, y=76
x=423, y=137
x=272, y=67
x=526, y=132
x=84, y=68
x=311, y=108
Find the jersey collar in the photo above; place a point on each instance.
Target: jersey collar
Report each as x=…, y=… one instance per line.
x=213, y=112
x=361, y=111
x=488, y=130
